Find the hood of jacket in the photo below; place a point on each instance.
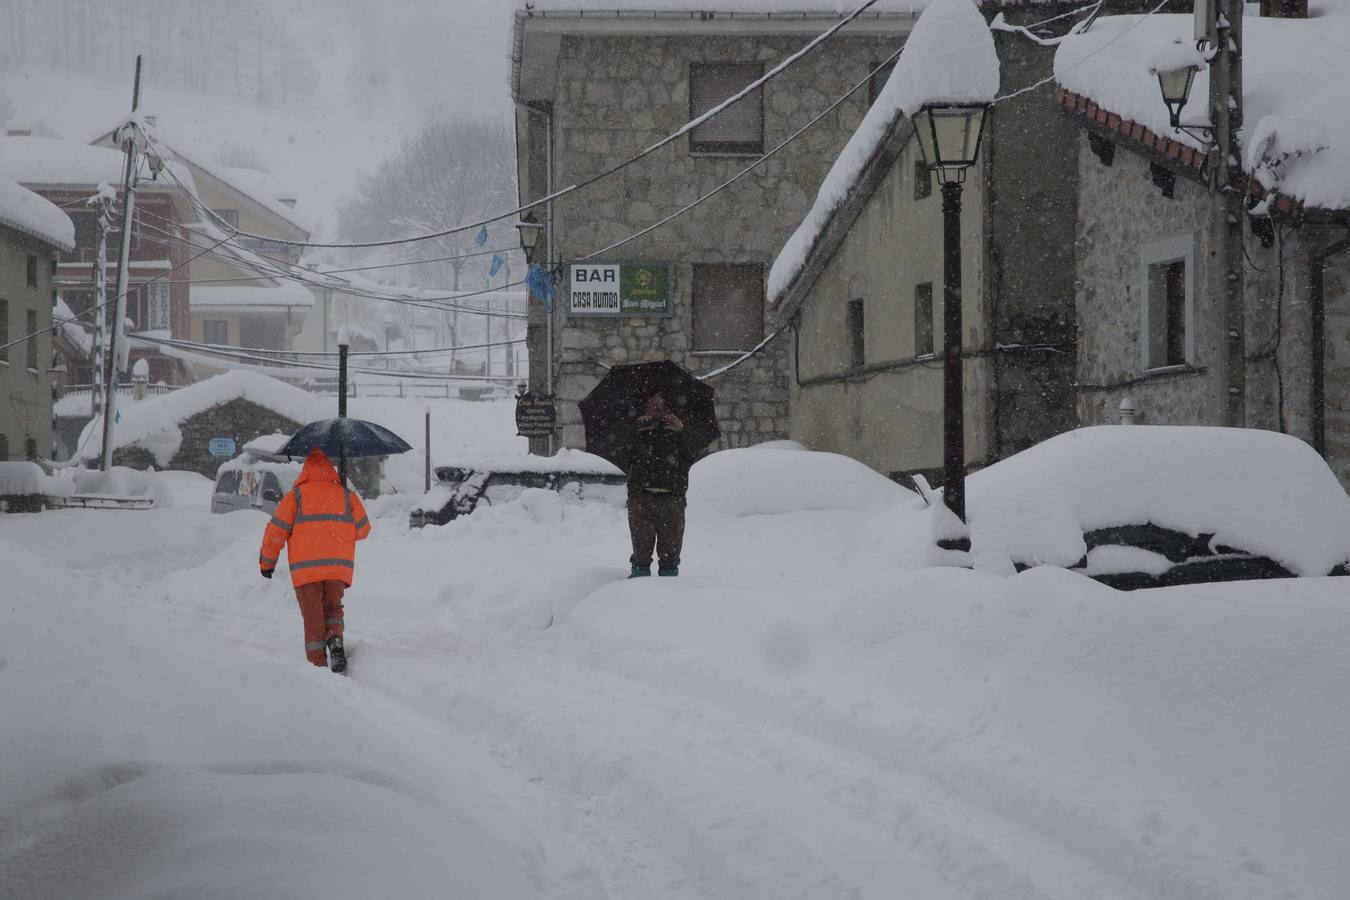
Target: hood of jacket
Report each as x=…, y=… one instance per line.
x=317, y=468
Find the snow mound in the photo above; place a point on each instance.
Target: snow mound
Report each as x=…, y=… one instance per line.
x=153, y=424
x=18, y=479
x=756, y=481
x=1258, y=491
x=577, y=462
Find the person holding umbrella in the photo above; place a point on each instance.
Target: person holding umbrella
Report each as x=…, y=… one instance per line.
x=658, y=478
x=319, y=522
x=653, y=420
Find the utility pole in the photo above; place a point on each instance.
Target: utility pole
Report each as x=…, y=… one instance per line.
x=103, y=213
x=1229, y=213
x=130, y=144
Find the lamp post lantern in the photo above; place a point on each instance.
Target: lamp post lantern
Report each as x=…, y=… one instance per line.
x=949, y=138
x=1176, y=89
x=529, y=229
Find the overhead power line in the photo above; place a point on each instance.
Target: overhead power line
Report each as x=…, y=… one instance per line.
x=607, y=173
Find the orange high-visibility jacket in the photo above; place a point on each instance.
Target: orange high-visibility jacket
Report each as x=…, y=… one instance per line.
x=320, y=521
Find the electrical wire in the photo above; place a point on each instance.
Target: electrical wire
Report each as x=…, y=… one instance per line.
x=613, y=170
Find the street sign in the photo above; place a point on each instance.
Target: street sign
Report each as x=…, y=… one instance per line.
x=536, y=417
x=620, y=289
x=220, y=446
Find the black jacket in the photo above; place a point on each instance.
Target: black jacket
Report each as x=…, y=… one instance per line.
x=660, y=461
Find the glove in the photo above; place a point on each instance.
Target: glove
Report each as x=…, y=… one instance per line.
x=267, y=573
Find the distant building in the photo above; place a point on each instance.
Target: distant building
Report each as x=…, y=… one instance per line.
x=1149, y=309
x=595, y=84
x=33, y=232
x=860, y=284
x=68, y=174
x=230, y=302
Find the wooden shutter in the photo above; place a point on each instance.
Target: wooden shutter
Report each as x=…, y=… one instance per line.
x=740, y=127
x=728, y=307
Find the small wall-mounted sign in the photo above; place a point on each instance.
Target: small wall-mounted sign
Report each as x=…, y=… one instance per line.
x=536, y=416
x=221, y=446
x=620, y=289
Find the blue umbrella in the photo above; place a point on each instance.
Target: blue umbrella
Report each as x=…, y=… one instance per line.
x=344, y=438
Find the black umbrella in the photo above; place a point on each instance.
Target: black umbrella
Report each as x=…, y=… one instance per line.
x=610, y=412
x=344, y=438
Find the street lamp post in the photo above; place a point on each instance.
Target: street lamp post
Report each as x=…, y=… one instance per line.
x=949, y=138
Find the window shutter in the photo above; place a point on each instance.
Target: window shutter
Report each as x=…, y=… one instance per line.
x=728, y=307
x=739, y=127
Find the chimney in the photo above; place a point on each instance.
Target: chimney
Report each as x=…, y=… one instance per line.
x=1285, y=9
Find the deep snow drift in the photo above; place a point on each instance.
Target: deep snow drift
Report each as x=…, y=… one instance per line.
x=801, y=714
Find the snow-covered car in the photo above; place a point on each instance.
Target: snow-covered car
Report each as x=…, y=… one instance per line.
x=460, y=488
x=255, y=479
x=1152, y=505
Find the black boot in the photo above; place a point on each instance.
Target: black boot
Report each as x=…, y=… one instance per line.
x=337, y=657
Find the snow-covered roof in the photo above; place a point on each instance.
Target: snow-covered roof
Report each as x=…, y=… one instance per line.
x=153, y=424
x=258, y=186
x=25, y=211
x=48, y=161
x=71, y=328
x=286, y=294
x=948, y=58
x=1296, y=139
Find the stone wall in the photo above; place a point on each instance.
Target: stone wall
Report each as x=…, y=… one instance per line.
x=617, y=94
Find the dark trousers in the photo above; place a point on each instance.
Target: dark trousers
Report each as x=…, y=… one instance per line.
x=321, y=609
x=656, y=522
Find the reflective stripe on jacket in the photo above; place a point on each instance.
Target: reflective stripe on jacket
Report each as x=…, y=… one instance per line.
x=319, y=522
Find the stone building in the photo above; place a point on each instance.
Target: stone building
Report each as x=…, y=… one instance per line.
x=860, y=285
x=33, y=232
x=1150, y=286
x=595, y=85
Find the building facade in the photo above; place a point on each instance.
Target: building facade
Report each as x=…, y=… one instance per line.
x=32, y=235
x=1151, y=284
x=595, y=88
x=864, y=300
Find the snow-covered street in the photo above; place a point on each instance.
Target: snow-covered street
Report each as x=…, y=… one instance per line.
x=798, y=715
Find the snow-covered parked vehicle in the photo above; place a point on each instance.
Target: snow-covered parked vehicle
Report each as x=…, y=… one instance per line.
x=460, y=488
x=255, y=479
x=1152, y=505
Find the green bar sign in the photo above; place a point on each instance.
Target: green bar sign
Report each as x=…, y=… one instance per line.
x=620, y=289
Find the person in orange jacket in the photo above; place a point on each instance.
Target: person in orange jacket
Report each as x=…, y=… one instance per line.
x=320, y=521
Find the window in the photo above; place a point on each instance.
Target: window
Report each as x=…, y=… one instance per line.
x=4, y=448
x=32, y=344
x=30, y=449
x=923, y=179
x=1167, y=314
x=878, y=81
x=728, y=307
x=157, y=302
x=32, y=271
x=4, y=330
x=736, y=129
x=1167, y=301
x=923, y=319
x=857, y=336
x=216, y=331
x=229, y=216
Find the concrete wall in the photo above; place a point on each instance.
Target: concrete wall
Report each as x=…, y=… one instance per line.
x=26, y=393
x=889, y=415
x=1337, y=299
x=617, y=94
